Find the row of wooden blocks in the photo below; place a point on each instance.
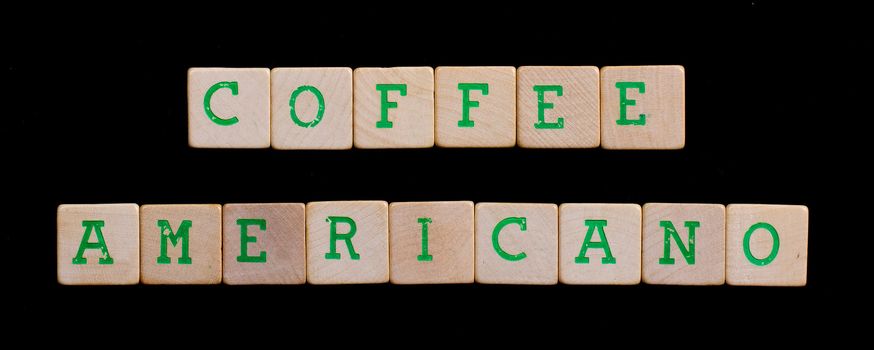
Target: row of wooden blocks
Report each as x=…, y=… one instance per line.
x=624, y=107
x=433, y=242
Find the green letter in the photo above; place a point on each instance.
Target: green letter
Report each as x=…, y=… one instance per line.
x=587, y=243
x=208, y=97
x=670, y=231
x=424, y=256
x=500, y=226
x=774, y=248
x=623, y=102
x=245, y=239
x=385, y=104
x=292, y=102
x=96, y=226
x=467, y=104
x=333, y=255
x=543, y=106
x=182, y=233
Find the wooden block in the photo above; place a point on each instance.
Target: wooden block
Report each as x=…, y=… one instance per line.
x=98, y=244
x=229, y=107
x=394, y=107
x=558, y=107
x=599, y=243
x=181, y=244
x=643, y=107
x=766, y=245
x=322, y=113
x=331, y=226
x=264, y=243
x=701, y=260
x=486, y=95
x=516, y=243
x=431, y=242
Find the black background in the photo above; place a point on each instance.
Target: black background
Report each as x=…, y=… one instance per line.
x=774, y=98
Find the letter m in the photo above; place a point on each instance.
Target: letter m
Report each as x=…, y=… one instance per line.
x=167, y=234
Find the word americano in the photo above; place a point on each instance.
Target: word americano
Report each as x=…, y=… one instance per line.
x=423, y=233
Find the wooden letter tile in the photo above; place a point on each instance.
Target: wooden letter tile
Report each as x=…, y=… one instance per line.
x=394, y=107
x=264, y=243
x=476, y=106
x=347, y=242
x=229, y=107
x=311, y=108
x=558, y=107
x=181, y=244
x=98, y=244
x=766, y=245
x=599, y=243
x=698, y=260
x=431, y=242
x=516, y=243
x=643, y=107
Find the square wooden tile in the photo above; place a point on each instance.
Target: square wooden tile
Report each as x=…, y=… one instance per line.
x=653, y=100
x=334, y=261
x=766, y=245
x=229, y=107
x=321, y=117
x=271, y=250
x=487, y=95
x=162, y=225
x=431, y=242
x=701, y=263
x=394, y=107
x=558, y=107
x=599, y=243
x=98, y=244
x=516, y=243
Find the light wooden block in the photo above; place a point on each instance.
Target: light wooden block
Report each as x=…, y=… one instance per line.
x=661, y=100
x=204, y=226
x=490, y=124
x=764, y=260
x=322, y=99
x=229, y=107
x=369, y=263
x=620, y=225
x=108, y=236
x=275, y=254
x=448, y=255
x=569, y=100
x=708, y=264
x=406, y=94
x=529, y=229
